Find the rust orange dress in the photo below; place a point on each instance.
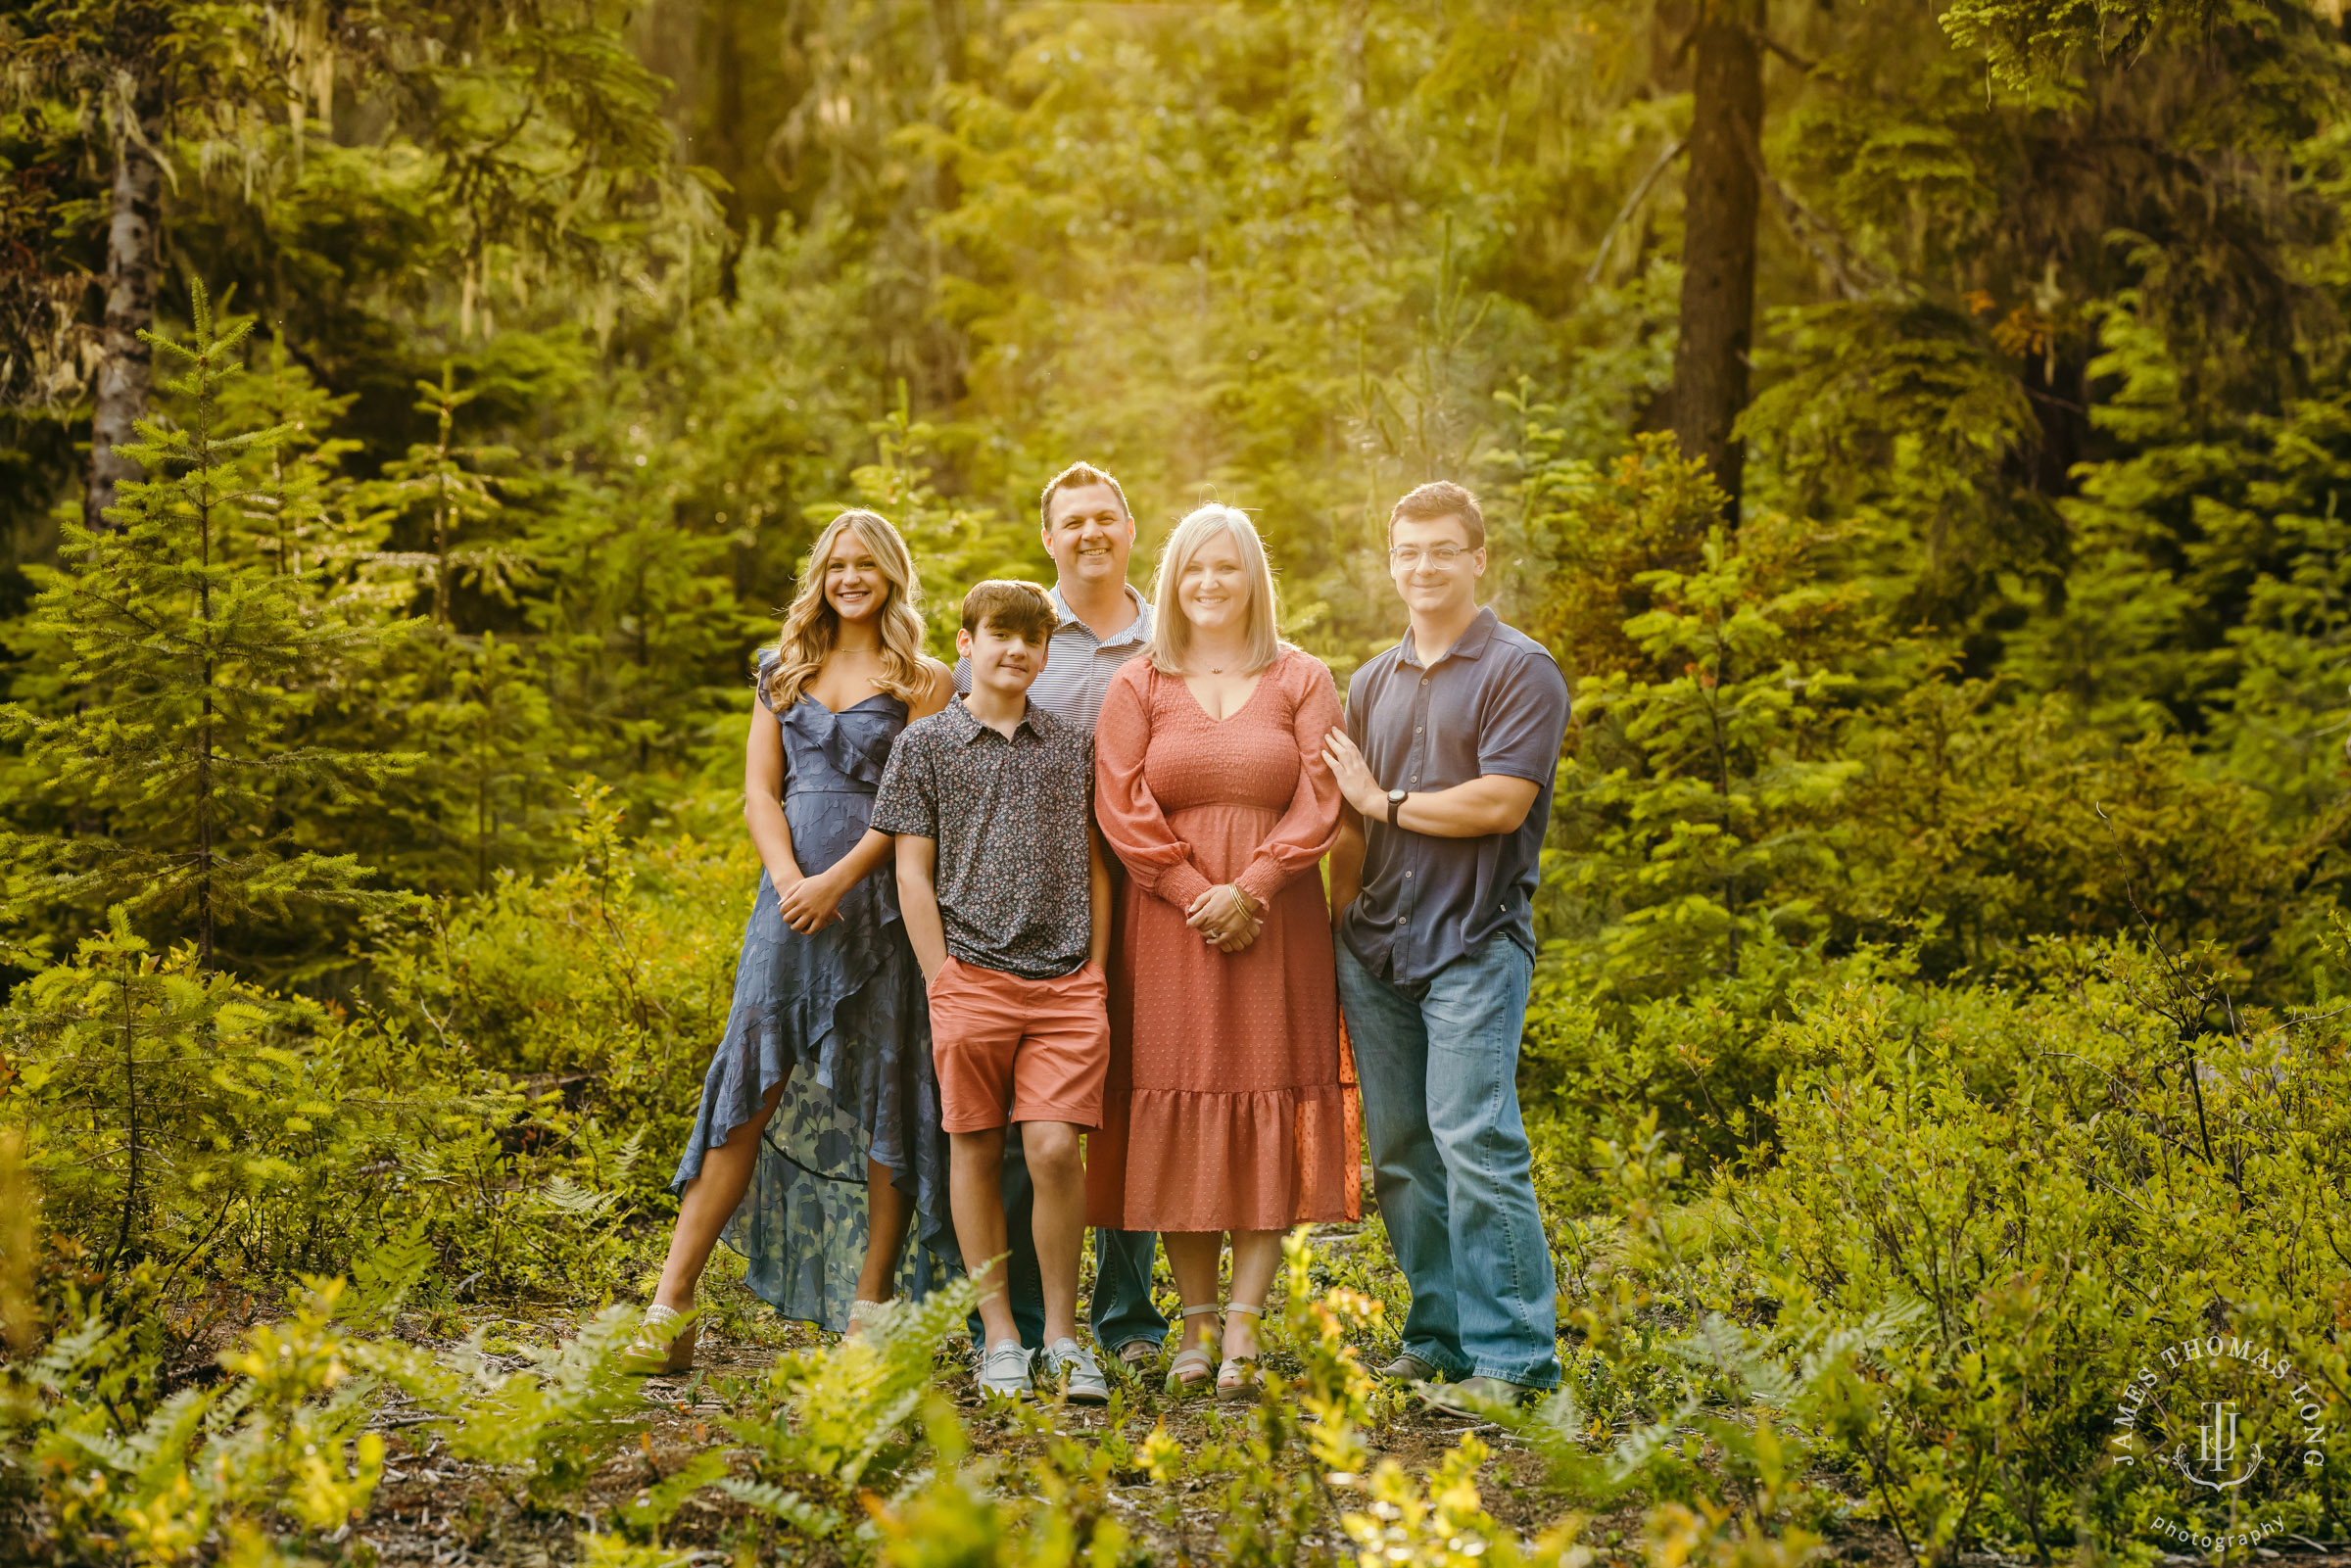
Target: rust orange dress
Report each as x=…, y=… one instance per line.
x=1225, y=1107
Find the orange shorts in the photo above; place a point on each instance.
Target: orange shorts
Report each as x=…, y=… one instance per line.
x=1008, y=1049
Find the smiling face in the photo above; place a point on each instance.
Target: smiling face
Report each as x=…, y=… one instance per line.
x=855, y=585
x=1003, y=661
x=1214, y=587
x=1088, y=535
x=1433, y=567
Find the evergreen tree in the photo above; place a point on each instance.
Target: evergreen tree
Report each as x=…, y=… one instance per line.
x=487, y=792
x=1702, y=796
x=175, y=667
x=449, y=484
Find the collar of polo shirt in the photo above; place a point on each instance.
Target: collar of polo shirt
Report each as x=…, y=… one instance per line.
x=970, y=729
x=1468, y=645
x=1137, y=630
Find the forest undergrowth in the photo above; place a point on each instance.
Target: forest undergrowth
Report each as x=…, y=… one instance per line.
x=1889, y=1327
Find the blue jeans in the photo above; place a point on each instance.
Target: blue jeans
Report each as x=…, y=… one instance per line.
x=1439, y=1065
x=1120, y=1311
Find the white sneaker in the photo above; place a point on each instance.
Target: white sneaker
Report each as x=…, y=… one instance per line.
x=1004, y=1369
x=1067, y=1359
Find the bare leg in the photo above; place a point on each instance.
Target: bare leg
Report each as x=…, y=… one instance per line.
x=708, y=1204
x=1193, y=1256
x=1057, y=1171
x=886, y=1214
x=975, y=1198
x=1255, y=1256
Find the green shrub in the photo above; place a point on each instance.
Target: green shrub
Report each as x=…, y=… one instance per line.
x=549, y=1425
x=205, y=1127
x=2064, y=1179
x=601, y=989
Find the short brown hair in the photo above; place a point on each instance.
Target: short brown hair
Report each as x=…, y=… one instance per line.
x=1437, y=500
x=1072, y=478
x=1011, y=605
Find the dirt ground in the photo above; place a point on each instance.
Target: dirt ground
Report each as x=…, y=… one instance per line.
x=433, y=1509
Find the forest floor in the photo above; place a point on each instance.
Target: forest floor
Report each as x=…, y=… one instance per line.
x=435, y=1508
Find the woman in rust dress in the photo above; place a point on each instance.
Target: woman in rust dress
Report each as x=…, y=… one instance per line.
x=1225, y=1109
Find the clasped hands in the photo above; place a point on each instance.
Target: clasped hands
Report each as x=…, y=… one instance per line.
x=1227, y=916
x=810, y=903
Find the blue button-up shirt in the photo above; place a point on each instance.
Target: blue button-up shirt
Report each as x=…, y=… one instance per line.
x=1078, y=665
x=1495, y=703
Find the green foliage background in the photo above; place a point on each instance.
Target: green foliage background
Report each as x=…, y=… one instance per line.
x=1942, y=906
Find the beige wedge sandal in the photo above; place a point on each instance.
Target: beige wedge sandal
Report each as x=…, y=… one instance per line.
x=1189, y=1372
x=1238, y=1378
x=664, y=1344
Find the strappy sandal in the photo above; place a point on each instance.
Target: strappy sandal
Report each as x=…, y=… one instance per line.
x=865, y=1320
x=664, y=1344
x=1189, y=1372
x=1238, y=1378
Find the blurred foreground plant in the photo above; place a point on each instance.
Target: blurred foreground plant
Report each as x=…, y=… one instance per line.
x=277, y=1450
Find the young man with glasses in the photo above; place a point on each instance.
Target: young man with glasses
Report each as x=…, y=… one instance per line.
x=1456, y=736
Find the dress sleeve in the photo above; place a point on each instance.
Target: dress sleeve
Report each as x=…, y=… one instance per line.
x=1132, y=825
x=1311, y=824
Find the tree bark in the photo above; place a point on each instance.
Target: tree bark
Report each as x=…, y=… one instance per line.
x=1718, y=245
x=124, y=369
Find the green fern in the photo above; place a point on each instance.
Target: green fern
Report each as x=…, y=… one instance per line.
x=553, y=1424
x=843, y=1421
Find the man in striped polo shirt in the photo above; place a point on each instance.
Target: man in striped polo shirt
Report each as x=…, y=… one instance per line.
x=1101, y=623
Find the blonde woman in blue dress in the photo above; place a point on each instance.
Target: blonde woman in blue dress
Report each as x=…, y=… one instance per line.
x=818, y=1143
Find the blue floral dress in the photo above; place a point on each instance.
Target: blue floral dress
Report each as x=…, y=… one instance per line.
x=839, y=1017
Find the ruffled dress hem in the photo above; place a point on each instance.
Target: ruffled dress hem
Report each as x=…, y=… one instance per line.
x=1281, y=1138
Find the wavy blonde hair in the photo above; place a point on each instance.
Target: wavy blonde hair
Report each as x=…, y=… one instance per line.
x=812, y=626
x=1171, y=630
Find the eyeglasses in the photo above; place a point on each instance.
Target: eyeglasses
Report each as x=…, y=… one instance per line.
x=1411, y=555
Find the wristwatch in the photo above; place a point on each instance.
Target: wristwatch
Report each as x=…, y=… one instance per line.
x=1395, y=799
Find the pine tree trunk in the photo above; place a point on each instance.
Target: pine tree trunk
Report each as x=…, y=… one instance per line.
x=205, y=496
x=131, y=237
x=1718, y=247
x=131, y=1106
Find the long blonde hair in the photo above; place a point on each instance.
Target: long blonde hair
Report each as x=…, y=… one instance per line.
x=1171, y=628
x=812, y=626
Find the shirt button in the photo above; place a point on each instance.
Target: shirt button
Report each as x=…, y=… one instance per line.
x=1408, y=875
